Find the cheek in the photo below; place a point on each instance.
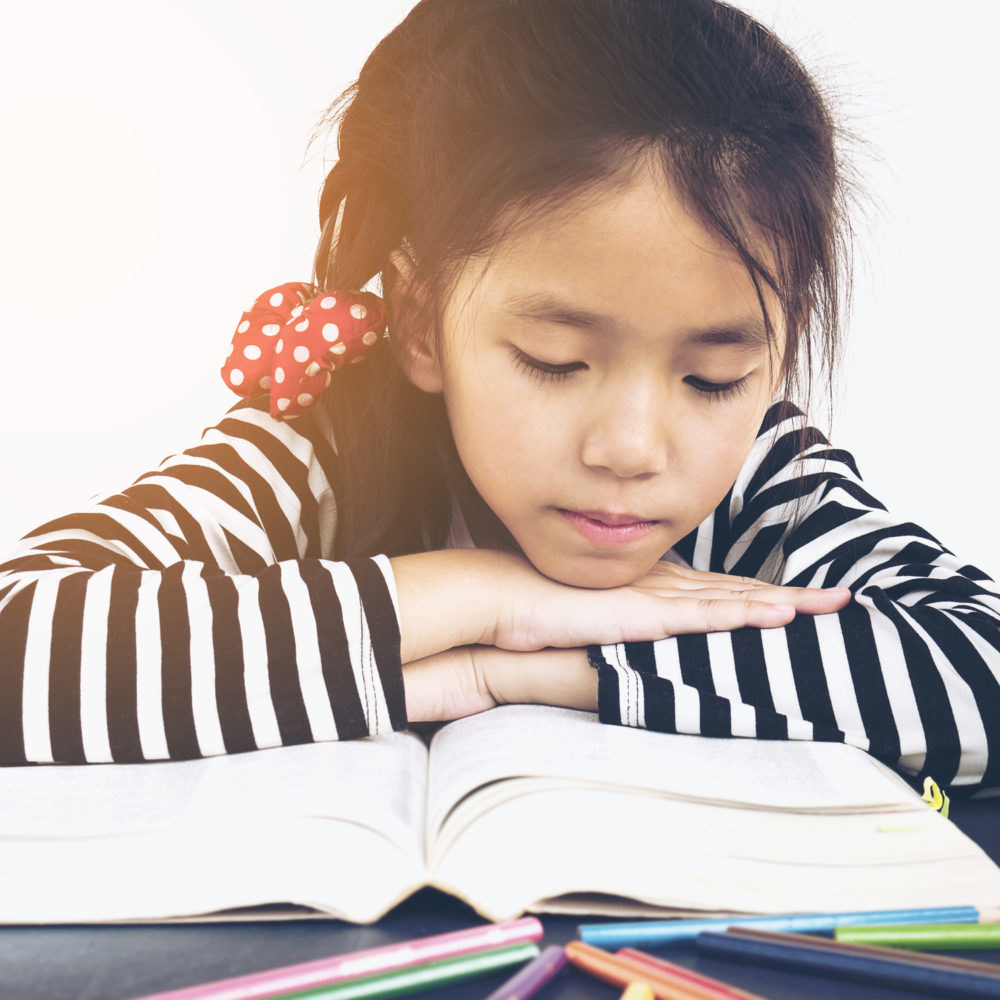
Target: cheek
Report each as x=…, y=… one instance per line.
x=721, y=453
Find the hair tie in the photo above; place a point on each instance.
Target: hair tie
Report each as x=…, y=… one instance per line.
x=293, y=338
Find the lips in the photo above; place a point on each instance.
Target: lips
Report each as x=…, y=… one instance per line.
x=607, y=529
x=613, y=520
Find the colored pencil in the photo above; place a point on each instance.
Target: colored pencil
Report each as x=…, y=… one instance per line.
x=667, y=932
x=421, y=977
x=872, y=951
x=723, y=989
x=839, y=962
x=338, y=968
x=946, y=937
x=620, y=971
x=637, y=991
x=529, y=980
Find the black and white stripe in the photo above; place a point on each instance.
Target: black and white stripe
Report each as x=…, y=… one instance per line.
x=197, y=612
x=909, y=670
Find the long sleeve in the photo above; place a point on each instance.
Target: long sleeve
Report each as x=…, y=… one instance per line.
x=908, y=671
x=197, y=612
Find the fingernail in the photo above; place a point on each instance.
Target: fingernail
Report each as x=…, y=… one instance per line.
x=783, y=608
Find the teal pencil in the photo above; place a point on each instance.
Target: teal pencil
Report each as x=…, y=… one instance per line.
x=946, y=937
x=667, y=932
x=421, y=977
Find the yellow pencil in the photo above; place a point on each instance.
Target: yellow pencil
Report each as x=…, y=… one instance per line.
x=638, y=991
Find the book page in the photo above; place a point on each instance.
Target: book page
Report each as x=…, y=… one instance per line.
x=335, y=826
x=377, y=782
x=543, y=842
x=543, y=741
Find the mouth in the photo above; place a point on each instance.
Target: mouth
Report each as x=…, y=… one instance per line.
x=606, y=528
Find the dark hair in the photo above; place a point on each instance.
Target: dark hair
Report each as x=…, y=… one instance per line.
x=471, y=108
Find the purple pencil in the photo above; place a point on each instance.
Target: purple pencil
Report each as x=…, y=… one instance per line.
x=529, y=980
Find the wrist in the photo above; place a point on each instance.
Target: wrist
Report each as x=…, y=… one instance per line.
x=449, y=598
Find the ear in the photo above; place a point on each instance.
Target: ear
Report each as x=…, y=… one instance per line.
x=417, y=349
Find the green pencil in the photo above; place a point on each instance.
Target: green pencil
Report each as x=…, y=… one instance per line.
x=946, y=937
x=421, y=977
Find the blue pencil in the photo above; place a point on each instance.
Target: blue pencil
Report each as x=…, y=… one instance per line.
x=667, y=932
x=849, y=964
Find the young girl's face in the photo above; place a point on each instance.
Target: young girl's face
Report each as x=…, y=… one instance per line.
x=605, y=377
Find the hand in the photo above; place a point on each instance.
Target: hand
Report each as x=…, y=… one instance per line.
x=536, y=612
x=460, y=597
x=471, y=679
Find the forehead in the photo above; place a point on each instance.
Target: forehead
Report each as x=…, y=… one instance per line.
x=622, y=254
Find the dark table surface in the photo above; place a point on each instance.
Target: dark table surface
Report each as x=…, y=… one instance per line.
x=121, y=962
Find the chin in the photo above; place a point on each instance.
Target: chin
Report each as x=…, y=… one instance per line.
x=591, y=573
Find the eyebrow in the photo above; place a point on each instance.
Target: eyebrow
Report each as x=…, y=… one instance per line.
x=748, y=332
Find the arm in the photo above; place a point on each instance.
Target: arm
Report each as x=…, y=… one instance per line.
x=196, y=613
x=908, y=670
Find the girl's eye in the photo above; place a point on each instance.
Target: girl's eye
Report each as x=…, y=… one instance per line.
x=717, y=392
x=542, y=370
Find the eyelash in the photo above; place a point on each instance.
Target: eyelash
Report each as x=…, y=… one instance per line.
x=543, y=372
x=715, y=392
x=719, y=391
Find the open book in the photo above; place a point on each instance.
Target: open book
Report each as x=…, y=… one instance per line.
x=519, y=808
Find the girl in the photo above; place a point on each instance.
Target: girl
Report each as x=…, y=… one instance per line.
x=608, y=238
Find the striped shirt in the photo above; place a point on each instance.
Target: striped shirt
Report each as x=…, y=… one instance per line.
x=909, y=670
x=199, y=612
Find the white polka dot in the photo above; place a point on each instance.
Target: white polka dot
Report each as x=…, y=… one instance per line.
x=339, y=348
x=283, y=404
x=279, y=375
x=301, y=353
x=358, y=311
x=331, y=332
x=236, y=377
x=279, y=347
x=304, y=325
x=265, y=382
x=297, y=311
x=252, y=352
x=270, y=329
x=243, y=327
x=312, y=369
x=329, y=376
x=305, y=398
x=354, y=361
x=328, y=302
x=370, y=337
x=276, y=299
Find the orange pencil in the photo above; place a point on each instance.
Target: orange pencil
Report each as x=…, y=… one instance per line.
x=654, y=961
x=621, y=971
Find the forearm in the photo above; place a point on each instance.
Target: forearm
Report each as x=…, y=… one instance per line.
x=471, y=679
x=545, y=677
x=914, y=685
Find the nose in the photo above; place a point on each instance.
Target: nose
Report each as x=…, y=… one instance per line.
x=628, y=430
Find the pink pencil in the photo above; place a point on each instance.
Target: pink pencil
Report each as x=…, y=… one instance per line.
x=323, y=971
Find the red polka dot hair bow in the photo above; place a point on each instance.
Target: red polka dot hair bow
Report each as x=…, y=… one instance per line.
x=293, y=338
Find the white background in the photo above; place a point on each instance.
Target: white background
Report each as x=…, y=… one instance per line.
x=155, y=178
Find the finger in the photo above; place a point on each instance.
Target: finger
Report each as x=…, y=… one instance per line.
x=684, y=578
x=694, y=615
x=803, y=599
x=705, y=576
